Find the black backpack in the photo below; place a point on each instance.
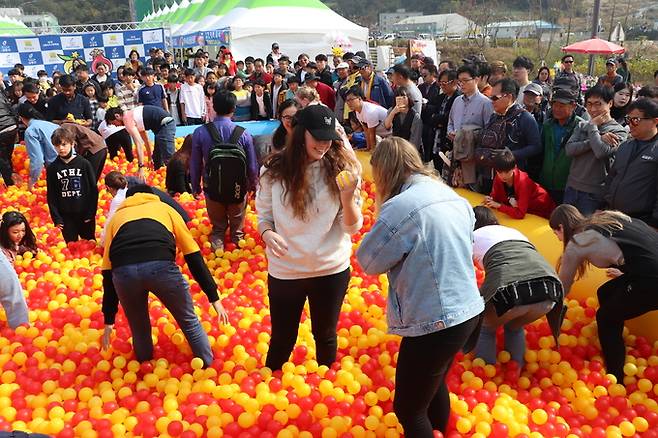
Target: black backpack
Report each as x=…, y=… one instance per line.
x=226, y=167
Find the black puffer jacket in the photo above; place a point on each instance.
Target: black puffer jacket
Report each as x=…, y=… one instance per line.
x=7, y=116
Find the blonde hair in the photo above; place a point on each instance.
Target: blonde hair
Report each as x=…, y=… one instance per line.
x=393, y=162
x=309, y=93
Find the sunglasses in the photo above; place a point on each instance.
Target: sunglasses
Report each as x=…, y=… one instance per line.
x=636, y=120
x=495, y=98
x=446, y=82
x=568, y=62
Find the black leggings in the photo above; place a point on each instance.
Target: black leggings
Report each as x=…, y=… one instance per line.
x=422, y=402
x=621, y=299
x=97, y=162
x=120, y=140
x=287, y=298
x=7, y=141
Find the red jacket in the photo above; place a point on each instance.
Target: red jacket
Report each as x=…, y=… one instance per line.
x=530, y=197
x=327, y=94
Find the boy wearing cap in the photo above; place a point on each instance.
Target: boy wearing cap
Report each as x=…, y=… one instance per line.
x=611, y=77
x=555, y=134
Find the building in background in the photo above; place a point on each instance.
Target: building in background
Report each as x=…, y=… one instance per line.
x=445, y=26
x=387, y=20
x=31, y=20
x=522, y=29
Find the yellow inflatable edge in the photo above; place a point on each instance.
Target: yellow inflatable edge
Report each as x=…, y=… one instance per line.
x=540, y=234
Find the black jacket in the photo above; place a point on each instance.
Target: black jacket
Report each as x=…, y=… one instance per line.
x=267, y=102
x=632, y=184
x=178, y=177
x=7, y=116
x=72, y=189
x=325, y=76
x=439, y=118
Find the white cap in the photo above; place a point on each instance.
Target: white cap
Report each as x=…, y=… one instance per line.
x=343, y=65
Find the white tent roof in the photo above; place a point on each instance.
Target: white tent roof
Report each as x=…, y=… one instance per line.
x=299, y=26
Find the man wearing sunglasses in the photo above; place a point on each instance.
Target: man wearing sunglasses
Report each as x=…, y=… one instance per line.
x=631, y=186
x=511, y=126
x=568, y=72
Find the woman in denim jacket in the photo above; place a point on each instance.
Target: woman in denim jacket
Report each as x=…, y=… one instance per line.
x=423, y=240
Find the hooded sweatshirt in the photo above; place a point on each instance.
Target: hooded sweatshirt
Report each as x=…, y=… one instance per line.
x=145, y=229
x=72, y=189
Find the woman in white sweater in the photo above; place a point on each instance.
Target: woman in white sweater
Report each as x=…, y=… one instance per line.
x=305, y=218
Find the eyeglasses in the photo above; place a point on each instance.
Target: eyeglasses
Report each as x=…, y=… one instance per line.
x=463, y=81
x=350, y=99
x=495, y=98
x=636, y=120
x=446, y=82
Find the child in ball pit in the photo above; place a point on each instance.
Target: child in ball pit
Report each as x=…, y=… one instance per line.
x=72, y=189
x=16, y=236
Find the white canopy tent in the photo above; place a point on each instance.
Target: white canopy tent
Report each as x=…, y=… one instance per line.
x=299, y=26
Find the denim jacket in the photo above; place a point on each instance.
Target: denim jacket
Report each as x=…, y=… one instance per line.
x=423, y=240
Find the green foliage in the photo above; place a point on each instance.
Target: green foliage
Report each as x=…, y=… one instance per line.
x=76, y=12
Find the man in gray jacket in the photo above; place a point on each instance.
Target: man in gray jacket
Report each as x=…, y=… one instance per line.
x=591, y=148
x=632, y=185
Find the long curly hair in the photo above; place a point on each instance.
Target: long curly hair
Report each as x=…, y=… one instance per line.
x=289, y=167
x=573, y=222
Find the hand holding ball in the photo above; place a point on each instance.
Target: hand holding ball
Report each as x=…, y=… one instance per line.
x=347, y=181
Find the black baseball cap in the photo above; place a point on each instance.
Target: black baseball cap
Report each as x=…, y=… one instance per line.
x=275, y=45
x=320, y=121
x=563, y=95
x=310, y=77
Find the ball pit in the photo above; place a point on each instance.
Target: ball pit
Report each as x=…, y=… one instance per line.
x=56, y=380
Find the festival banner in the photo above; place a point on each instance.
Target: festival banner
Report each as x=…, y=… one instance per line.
x=64, y=52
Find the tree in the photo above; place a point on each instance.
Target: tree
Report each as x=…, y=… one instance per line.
x=483, y=13
x=71, y=12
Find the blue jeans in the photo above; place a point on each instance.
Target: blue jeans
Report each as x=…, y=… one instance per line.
x=165, y=281
x=164, y=144
x=586, y=203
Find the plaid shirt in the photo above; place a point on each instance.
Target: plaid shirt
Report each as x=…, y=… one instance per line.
x=127, y=97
